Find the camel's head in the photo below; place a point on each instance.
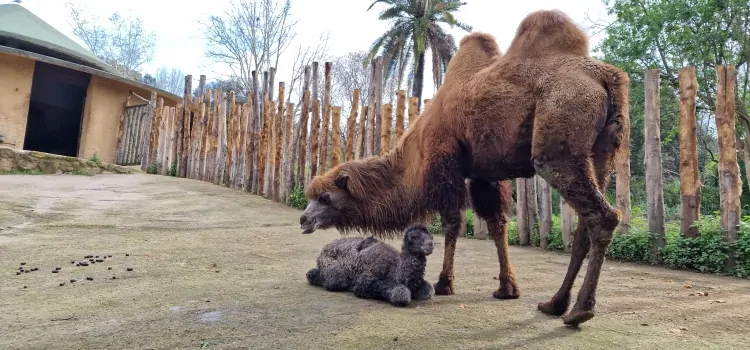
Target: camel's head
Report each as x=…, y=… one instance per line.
x=327, y=198
x=417, y=240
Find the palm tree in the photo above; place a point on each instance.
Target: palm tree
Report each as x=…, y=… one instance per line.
x=415, y=28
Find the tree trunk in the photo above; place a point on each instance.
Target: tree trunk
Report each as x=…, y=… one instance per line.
x=652, y=147
x=419, y=80
x=690, y=188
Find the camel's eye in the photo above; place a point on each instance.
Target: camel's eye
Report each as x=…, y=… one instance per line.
x=325, y=198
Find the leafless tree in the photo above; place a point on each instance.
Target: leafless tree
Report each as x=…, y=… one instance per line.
x=252, y=35
x=172, y=80
x=306, y=55
x=124, y=43
x=348, y=74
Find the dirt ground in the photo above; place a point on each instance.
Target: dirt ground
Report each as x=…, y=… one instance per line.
x=216, y=268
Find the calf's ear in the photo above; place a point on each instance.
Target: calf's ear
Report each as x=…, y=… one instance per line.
x=341, y=181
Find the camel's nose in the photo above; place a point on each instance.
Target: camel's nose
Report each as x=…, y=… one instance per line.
x=302, y=219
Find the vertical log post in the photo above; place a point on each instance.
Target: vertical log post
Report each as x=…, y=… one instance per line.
x=377, y=103
x=248, y=114
x=323, y=143
x=263, y=151
x=205, y=135
x=522, y=214
x=652, y=146
x=335, y=136
x=690, y=186
x=314, y=136
x=257, y=123
x=187, y=104
x=370, y=129
x=289, y=142
x=413, y=110
x=400, y=111
x=221, y=153
x=120, y=150
x=545, y=211
x=278, y=143
x=362, y=134
x=230, y=157
x=567, y=216
x=730, y=184
x=532, y=213
x=303, y=121
x=385, y=131
x=351, y=125
x=147, y=144
x=175, y=143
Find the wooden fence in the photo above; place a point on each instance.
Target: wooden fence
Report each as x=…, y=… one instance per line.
x=132, y=131
x=260, y=147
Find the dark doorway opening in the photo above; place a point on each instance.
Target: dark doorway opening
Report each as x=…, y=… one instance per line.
x=58, y=96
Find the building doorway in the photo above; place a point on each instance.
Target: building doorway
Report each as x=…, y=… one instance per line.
x=58, y=96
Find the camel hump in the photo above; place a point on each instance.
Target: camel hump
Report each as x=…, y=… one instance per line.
x=546, y=32
x=476, y=51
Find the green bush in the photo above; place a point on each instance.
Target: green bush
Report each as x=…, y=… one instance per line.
x=297, y=198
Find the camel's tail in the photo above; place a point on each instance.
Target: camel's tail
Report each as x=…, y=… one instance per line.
x=615, y=135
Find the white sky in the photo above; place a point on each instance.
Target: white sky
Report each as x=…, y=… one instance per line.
x=179, y=32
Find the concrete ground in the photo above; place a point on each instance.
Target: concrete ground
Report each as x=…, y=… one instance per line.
x=216, y=268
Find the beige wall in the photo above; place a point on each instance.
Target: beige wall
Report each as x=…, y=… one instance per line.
x=16, y=75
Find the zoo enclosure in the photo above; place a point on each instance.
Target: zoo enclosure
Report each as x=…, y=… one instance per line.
x=261, y=146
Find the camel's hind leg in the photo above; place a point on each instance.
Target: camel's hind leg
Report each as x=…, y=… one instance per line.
x=491, y=202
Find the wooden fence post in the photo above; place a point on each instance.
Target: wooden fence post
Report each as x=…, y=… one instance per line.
x=362, y=134
x=522, y=214
x=205, y=135
x=690, y=187
x=257, y=124
x=335, y=136
x=567, y=215
x=303, y=121
x=730, y=184
x=377, y=103
x=532, y=213
x=186, y=118
x=413, y=110
x=289, y=142
x=147, y=135
x=652, y=146
x=174, y=143
x=120, y=150
x=323, y=143
x=351, y=125
x=248, y=114
x=314, y=136
x=230, y=156
x=386, y=129
x=400, y=110
x=545, y=211
x=278, y=143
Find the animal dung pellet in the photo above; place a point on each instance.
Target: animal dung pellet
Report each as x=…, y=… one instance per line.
x=126, y=254
x=72, y=262
x=99, y=260
x=24, y=287
x=97, y=256
x=109, y=268
x=20, y=268
x=114, y=277
x=88, y=256
x=55, y=271
x=62, y=284
x=129, y=269
x=18, y=272
x=23, y=263
x=58, y=268
x=83, y=263
x=109, y=256
x=72, y=281
x=35, y=269
x=89, y=278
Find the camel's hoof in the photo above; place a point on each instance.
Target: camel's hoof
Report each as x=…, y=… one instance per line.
x=574, y=318
x=552, y=308
x=443, y=289
x=507, y=291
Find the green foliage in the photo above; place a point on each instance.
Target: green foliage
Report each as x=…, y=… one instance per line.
x=153, y=168
x=94, y=159
x=297, y=198
x=172, y=171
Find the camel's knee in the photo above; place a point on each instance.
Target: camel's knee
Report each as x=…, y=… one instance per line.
x=603, y=225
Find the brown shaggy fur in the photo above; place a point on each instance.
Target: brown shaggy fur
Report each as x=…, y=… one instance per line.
x=544, y=107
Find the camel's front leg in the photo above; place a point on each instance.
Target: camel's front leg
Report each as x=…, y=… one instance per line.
x=452, y=222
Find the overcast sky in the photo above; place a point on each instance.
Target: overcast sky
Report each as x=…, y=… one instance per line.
x=179, y=32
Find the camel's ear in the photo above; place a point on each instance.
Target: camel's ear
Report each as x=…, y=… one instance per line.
x=341, y=181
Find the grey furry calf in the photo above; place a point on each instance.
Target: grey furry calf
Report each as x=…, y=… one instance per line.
x=372, y=269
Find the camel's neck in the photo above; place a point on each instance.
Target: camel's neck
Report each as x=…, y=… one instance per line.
x=412, y=268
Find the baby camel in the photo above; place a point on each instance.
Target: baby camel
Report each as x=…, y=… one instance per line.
x=372, y=269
